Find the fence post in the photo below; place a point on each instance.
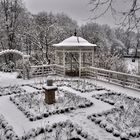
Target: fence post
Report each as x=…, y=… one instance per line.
x=96, y=74
x=124, y=80
x=85, y=69
x=42, y=71
x=136, y=82
x=109, y=76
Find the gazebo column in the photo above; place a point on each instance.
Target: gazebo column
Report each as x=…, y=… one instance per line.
x=26, y=66
x=55, y=57
x=92, y=57
x=64, y=63
x=70, y=55
x=139, y=66
x=83, y=59
x=23, y=65
x=80, y=63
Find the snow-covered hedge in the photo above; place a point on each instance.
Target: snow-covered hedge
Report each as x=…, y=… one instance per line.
x=78, y=85
x=30, y=85
x=8, y=132
x=11, y=90
x=105, y=120
x=114, y=98
x=71, y=130
x=83, y=103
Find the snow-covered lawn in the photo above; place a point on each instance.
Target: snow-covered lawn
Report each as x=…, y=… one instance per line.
x=131, y=66
x=79, y=118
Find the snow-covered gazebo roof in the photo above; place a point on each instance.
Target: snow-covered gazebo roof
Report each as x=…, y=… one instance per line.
x=75, y=42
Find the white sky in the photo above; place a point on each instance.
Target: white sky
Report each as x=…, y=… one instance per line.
x=78, y=10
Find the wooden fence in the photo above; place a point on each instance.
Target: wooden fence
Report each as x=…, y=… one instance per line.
x=44, y=70
x=41, y=70
x=123, y=79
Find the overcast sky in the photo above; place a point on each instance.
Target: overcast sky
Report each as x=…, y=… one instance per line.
x=78, y=10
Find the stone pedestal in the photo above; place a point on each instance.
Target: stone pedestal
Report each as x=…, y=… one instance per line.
x=49, y=91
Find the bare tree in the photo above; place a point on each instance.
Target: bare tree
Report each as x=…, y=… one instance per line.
x=126, y=13
x=10, y=12
x=44, y=30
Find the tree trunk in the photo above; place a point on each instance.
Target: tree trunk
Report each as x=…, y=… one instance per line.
x=5, y=57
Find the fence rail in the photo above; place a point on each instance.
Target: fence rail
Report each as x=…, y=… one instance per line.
x=59, y=70
x=123, y=79
x=42, y=70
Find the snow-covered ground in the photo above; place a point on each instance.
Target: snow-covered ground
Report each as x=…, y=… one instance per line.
x=22, y=125
x=131, y=66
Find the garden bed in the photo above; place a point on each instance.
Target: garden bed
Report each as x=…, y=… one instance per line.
x=32, y=86
x=35, y=108
x=123, y=122
x=114, y=98
x=123, y=119
x=58, y=131
x=78, y=85
x=10, y=90
x=6, y=131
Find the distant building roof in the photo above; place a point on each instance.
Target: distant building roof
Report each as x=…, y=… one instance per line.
x=74, y=41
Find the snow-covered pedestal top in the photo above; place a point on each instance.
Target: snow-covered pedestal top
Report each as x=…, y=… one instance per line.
x=49, y=87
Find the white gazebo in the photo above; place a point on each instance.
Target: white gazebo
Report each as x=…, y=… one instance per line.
x=73, y=54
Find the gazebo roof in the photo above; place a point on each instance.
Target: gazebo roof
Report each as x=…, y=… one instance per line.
x=74, y=41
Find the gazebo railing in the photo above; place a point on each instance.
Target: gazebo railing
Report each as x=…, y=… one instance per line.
x=59, y=69
x=119, y=78
x=123, y=79
x=42, y=70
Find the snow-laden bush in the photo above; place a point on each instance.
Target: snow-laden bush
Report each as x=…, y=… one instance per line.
x=135, y=133
x=97, y=120
x=11, y=90
x=103, y=123
x=10, y=67
x=8, y=132
x=124, y=136
x=109, y=128
x=78, y=85
x=116, y=133
x=71, y=130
